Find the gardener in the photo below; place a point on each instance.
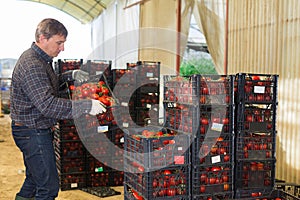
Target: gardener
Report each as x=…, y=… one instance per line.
x=36, y=107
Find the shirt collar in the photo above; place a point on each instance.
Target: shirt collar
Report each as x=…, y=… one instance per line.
x=43, y=54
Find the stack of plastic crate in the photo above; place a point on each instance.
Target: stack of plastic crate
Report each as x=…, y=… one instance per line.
x=255, y=129
x=212, y=149
x=70, y=156
x=156, y=164
x=104, y=157
x=137, y=90
x=147, y=93
x=202, y=106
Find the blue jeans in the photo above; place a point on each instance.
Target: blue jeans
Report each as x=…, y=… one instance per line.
x=42, y=181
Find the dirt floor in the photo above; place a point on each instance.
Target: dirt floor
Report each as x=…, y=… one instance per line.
x=12, y=170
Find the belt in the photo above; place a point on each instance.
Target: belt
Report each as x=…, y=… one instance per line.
x=18, y=124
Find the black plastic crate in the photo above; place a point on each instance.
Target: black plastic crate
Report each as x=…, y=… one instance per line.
x=165, y=183
x=69, y=149
x=116, y=135
x=254, y=194
x=183, y=90
x=183, y=118
x=71, y=165
x=72, y=181
x=144, y=146
x=282, y=195
x=145, y=116
x=125, y=116
x=105, y=178
x=199, y=89
x=94, y=165
x=290, y=188
x=97, y=67
x=117, y=178
x=99, y=70
x=149, y=88
x=148, y=71
x=216, y=89
x=255, y=146
x=146, y=100
x=218, y=149
x=216, y=120
x=97, y=179
x=213, y=180
x=266, y=195
x=255, y=119
x=124, y=77
x=255, y=174
x=122, y=90
x=256, y=88
x=66, y=133
x=63, y=65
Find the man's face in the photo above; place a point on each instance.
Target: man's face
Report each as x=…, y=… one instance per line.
x=52, y=46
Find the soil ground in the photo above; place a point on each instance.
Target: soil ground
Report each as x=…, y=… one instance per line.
x=12, y=170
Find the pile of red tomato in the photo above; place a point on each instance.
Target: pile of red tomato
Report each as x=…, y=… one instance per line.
x=94, y=90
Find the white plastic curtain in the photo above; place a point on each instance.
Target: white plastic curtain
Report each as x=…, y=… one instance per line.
x=210, y=16
x=115, y=35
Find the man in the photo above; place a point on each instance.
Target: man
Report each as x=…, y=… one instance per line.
x=35, y=108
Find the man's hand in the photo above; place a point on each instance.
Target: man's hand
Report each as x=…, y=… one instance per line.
x=80, y=76
x=97, y=107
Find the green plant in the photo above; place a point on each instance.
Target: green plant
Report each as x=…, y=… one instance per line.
x=197, y=65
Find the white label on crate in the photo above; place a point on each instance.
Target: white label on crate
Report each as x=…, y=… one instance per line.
x=215, y=159
x=122, y=140
x=99, y=72
x=259, y=89
x=124, y=104
x=148, y=106
x=74, y=185
x=102, y=129
x=216, y=127
x=179, y=148
x=149, y=74
x=125, y=124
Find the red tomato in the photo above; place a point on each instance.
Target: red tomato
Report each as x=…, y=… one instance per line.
x=72, y=87
x=171, y=192
x=212, y=180
x=104, y=100
x=85, y=92
x=136, y=195
x=204, y=121
x=226, y=187
x=225, y=178
x=255, y=78
x=215, y=169
x=204, y=90
x=202, y=188
x=226, y=158
x=167, y=172
x=225, y=121
x=105, y=91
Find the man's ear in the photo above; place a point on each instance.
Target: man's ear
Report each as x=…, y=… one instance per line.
x=42, y=38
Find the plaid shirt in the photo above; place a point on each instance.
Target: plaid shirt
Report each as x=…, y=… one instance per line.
x=34, y=96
